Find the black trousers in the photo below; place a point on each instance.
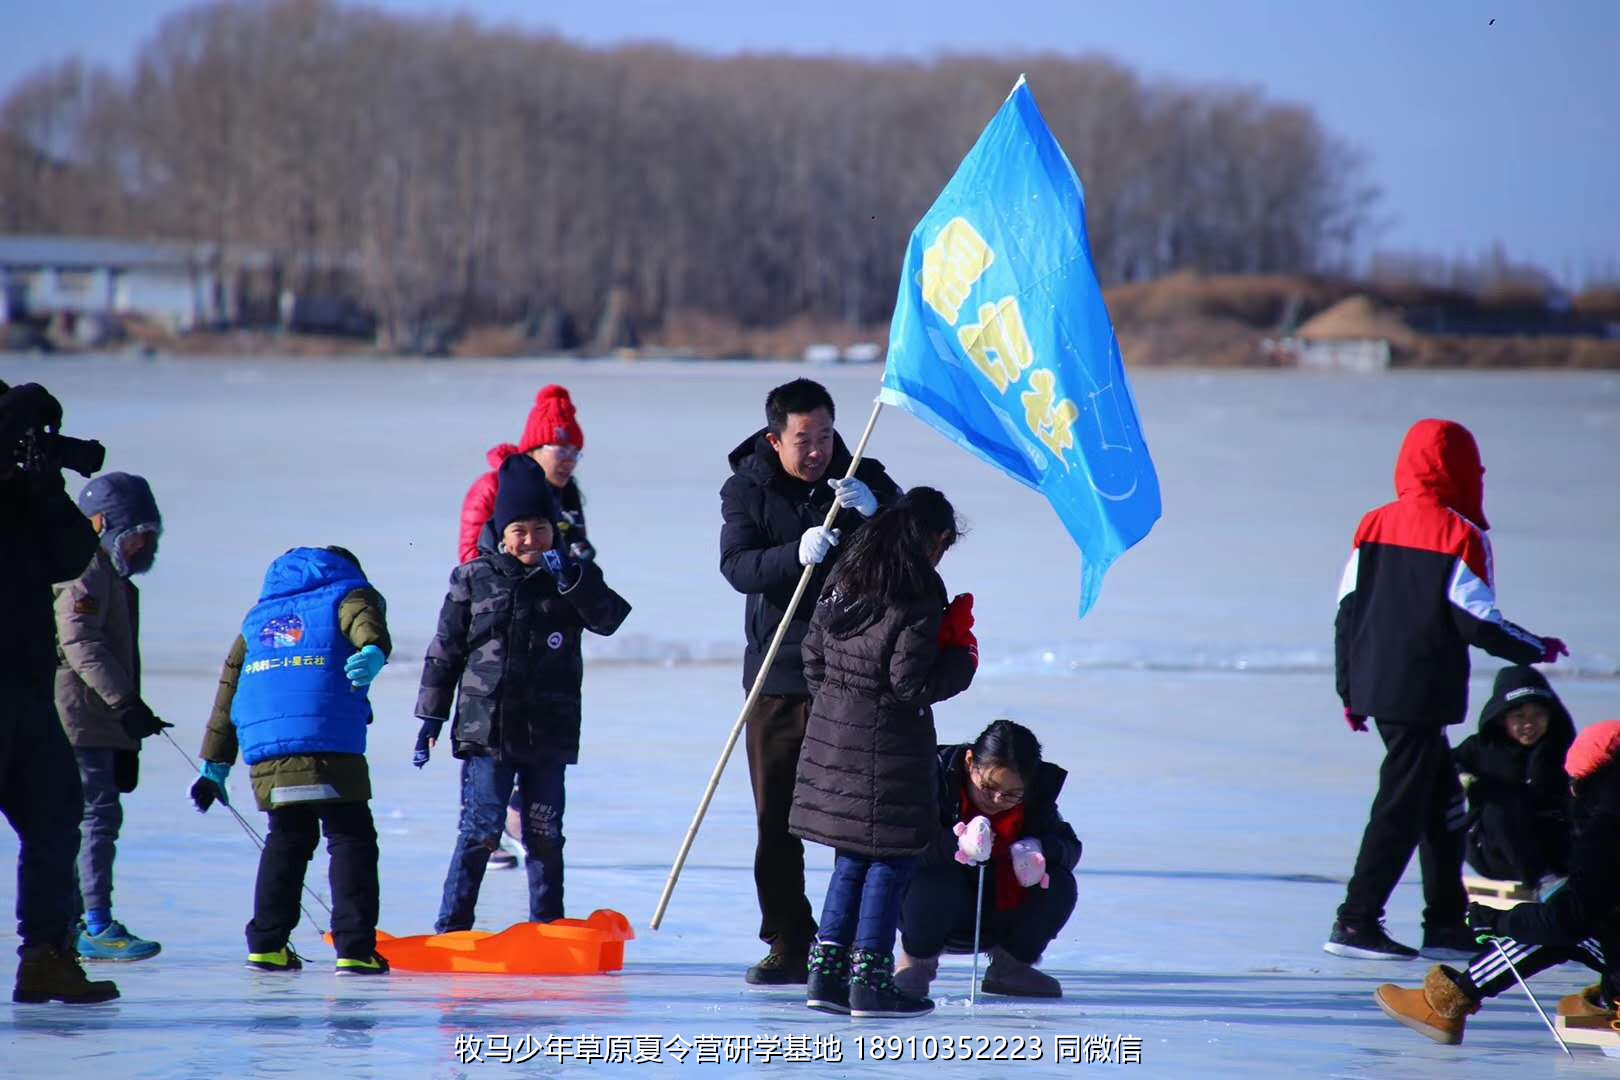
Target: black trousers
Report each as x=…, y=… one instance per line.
x=1419, y=806
x=937, y=913
x=775, y=732
x=351, y=842
x=1489, y=974
x=40, y=794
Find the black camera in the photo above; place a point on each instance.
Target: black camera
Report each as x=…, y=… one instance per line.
x=39, y=449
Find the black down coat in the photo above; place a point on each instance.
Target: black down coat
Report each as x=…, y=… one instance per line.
x=867, y=782
x=1042, y=819
x=508, y=639
x=1531, y=779
x=766, y=511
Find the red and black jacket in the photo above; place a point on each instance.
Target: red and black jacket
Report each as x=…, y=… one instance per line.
x=1419, y=588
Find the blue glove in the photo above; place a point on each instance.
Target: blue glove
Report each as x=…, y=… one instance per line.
x=210, y=785
x=364, y=665
x=563, y=569
x=425, y=737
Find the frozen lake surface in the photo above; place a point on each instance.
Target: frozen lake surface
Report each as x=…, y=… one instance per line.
x=1218, y=793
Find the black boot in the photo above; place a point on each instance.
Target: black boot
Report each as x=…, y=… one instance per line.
x=829, y=978
x=872, y=992
x=45, y=973
x=781, y=967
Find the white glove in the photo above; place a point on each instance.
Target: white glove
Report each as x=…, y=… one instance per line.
x=854, y=495
x=1029, y=863
x=974, y=840
x=815, y=543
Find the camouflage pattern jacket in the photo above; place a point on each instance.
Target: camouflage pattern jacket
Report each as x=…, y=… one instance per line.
x=509, y=639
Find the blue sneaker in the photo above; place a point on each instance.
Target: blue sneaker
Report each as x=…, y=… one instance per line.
x=116, y=943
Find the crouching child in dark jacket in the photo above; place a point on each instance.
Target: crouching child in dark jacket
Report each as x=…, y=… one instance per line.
x=1513, y=770
x=882, y=647
x=507, y=651
x=1579, y=922
x=998, y=804
x=293, y=698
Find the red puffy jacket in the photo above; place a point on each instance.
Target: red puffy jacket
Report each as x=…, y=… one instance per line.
x=479, y=505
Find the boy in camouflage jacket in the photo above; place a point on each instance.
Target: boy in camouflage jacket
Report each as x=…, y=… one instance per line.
x=507, y=650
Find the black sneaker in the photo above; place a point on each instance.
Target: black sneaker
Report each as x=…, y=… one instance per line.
x=828, y=990
x=1450, y=943
x=1368, y=942
x=780, y=969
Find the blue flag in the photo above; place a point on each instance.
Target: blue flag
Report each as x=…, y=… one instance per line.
x=1001, y=341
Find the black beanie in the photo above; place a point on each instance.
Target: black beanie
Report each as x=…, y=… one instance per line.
x=522, y=493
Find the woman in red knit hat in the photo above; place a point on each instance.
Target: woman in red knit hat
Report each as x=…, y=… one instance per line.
x=553, y=437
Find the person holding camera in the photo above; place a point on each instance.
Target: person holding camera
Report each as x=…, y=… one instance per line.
x=44, y=539
x=98, y=692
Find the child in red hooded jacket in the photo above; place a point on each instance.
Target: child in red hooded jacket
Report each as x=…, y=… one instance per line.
x=1418, y=590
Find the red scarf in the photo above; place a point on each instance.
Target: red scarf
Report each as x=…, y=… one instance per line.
x=1008, y=827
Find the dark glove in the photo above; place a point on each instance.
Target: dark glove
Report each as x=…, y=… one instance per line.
x=27, y=406
x=210, y=785
x=139, y=722
x=582, y=551
x=1356, y=721
x=564, y=570
x=426, y=736
x=1555, y=648
x=1483, y=920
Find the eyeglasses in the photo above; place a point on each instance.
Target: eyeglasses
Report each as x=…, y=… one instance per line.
x=995, y=794
x=566, y=453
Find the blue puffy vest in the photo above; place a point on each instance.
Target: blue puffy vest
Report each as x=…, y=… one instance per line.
x=292, y=697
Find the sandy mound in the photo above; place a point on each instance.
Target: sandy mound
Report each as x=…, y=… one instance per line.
x=1356, y=318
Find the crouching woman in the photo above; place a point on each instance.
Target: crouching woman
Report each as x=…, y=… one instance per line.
x=998, y=799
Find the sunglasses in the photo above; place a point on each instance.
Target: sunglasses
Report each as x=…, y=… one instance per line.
x=566, y=453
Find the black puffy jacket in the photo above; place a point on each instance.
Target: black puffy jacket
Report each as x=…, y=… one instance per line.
x=1528, y=777
x=766, y=511
x=1042, y=819
x=866, y=781
x=509, y=641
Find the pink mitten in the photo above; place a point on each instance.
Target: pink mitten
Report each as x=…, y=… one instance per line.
x=974, y=839
x=1029, y=863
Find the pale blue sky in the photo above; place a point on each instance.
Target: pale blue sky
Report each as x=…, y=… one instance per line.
x=1477, y=133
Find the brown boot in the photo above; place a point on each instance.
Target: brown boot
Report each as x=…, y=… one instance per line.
x=1587, y=1003
x=912, y=974
x=1011, y=977
x=1439, y=1010
x=46, y=973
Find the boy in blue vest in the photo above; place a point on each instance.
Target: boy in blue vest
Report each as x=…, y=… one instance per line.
x=293, y=697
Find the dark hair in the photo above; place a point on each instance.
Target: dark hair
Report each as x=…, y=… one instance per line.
x=890, y=559
x=347, y=554
x=1010, y=745
x=798, y=396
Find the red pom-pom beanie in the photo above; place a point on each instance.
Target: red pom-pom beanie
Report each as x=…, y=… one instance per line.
x=552, y=422
x=1592, y=749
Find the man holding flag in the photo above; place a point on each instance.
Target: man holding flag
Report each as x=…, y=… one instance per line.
x=784, y=479
x=1000, y=341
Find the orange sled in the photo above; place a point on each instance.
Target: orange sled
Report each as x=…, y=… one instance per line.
x=564, y=947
